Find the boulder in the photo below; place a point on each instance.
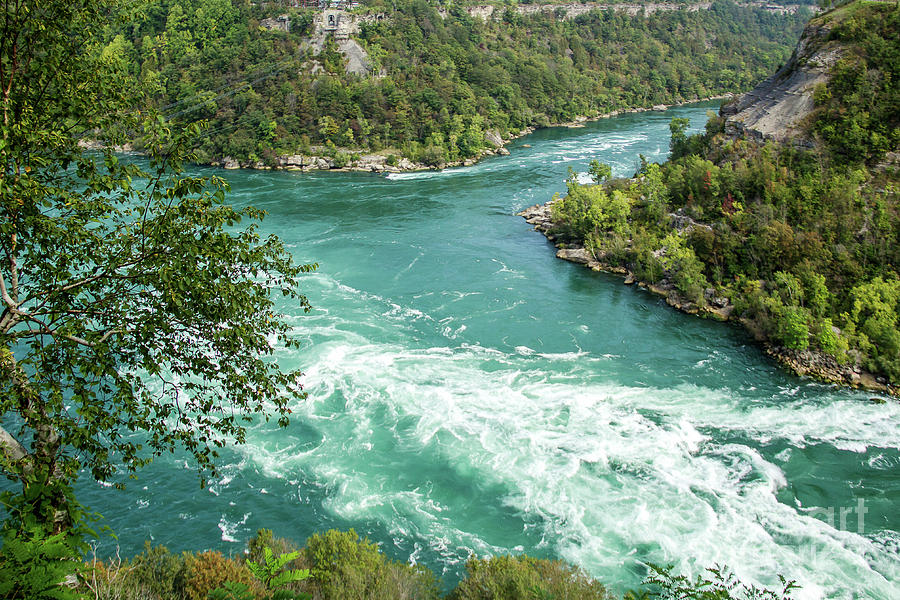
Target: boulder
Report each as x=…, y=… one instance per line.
x=492, y=136
x=576, y=255
x=372, y=162
x=722, y=313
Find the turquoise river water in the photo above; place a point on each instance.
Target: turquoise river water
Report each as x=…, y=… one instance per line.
x=470, y=393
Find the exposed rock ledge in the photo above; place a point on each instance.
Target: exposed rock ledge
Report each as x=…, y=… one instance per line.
x=826, y=368
x=777, y=107
x=806, y=363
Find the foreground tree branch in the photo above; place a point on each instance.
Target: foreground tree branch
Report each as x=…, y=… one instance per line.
x=131, y=300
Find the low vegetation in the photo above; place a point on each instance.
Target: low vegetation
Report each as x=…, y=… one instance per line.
x=340, y=566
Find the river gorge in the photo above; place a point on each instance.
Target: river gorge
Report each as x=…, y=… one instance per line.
x=471, y=393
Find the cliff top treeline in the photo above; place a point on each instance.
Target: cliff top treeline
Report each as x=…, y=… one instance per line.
x=410, y=80
x=800, y=238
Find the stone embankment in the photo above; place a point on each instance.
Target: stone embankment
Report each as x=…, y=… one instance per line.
x=804, y=363
x=826, y=368
x=364, y=163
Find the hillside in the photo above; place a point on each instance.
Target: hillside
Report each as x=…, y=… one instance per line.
x=409, y=79
x=801, y=101
x=777, y=108
x=784, y=214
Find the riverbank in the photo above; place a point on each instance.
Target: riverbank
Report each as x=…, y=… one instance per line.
x=349, y=160
x=363, y=161
x=808, y=363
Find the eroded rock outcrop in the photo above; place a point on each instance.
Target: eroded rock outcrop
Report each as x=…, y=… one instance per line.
x=777, y=107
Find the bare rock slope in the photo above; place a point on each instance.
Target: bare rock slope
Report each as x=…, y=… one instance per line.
x=777, y=107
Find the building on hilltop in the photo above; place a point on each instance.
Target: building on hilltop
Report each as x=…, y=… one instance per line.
x=335, y=22
x=322, y=4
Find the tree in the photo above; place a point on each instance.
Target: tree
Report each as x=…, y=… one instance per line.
x=874, y=313
x=600, y=172
x=130, y=301
x=589, y=210
x=678, y=144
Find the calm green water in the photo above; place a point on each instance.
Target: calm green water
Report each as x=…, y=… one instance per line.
x=470, y=393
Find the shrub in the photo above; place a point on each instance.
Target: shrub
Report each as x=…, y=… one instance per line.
x=341, y=159
x=34, y=564
x=345, y=567
x=157, y=572
x=263, y=539
x=587, y=209
x=275, y=573
x=523, y=577
x=792, y=330
x=434, y=155
x=329, y=553
x=717, y=584
x=207, y=571
x=828, y=341
x=685, y=268
x=110, y=581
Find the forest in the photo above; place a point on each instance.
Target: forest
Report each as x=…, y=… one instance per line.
x=804, y=242
x=435, y=84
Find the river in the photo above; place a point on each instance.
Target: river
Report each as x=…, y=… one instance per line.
x=468, y=392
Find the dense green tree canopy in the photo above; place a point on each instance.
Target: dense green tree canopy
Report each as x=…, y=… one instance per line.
x=437, y=81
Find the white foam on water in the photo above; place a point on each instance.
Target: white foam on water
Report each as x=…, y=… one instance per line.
x=884, y=463
x=464, y=448
x=801, y=422
x=230, y=529
x=419, y=175
x=584, y=178
x=590, y=146
x=603, y=473
x=505, y=269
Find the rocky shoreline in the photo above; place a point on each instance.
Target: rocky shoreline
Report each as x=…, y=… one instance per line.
x=374, y=162
x=802, y=363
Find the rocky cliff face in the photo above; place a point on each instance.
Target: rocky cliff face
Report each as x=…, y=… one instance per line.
x=777, y=107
